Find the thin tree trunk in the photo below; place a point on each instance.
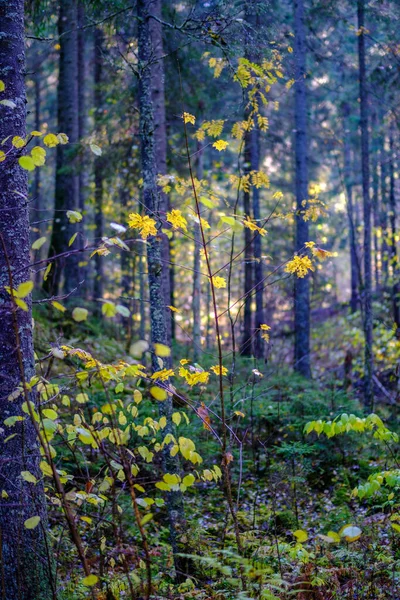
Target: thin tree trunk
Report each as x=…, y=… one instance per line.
x=348, y=181
x=196, y=270
x=302, y=286
x=160, y=140
x=246, y=343
x=158, y=314
x=67, y=178
x=25, y=557
x=368, y=359
x=384, y=212
x=82, y=124
x=36, y=187
x=393, y=248
x=98, y=288
x=375, y=197
x=258, y=264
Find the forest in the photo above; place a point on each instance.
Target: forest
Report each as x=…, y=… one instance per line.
x=199, y=299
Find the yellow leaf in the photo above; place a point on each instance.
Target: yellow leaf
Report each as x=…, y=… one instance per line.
x=57, y=305
x=219, y=282
x=24, y=289
x=27, y=476
x=300, y=535
x=188, y=480
x=188, y=118
x=79, y=314
x=162, y=350
x=26, y=162
x=47, y=271
x=50, y=140
x=18, y=142
x=158, y=393
x=220, y=145
x=32, y=522
x=176, y=418
x=2, y=86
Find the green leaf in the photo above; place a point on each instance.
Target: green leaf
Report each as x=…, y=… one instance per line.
x=90, y=580
x=32, y=522
x=109, y=309
x=122, y=310
x=10, y=421
x=39, y=243
x=80, y=314
x=50, y=414
x=73, y=238
x=146, y=519
x=8, y=103
x=74, y=216
x=96, y=149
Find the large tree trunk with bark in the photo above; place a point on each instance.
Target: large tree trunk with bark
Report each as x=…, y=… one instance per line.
x=160, y=136
x=302, y=285
x=155, y=247
x=26, y=571
x=67, y=177
x=367, y=288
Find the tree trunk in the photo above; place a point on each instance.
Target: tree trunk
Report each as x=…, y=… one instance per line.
x=348, y=182
x=38, y=213
x=393, y=248
x=82, y=124
x=302, y=286
x=245, y=348
x=158, y=312
x=160, y=140
x=98, y=288
x=196, y=270
x=384, y=212
x=368, y=358
x=67, y=178
x=26, y=565
x=375, y=197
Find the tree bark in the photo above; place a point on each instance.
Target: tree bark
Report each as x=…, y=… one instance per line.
x=302, y=286
x=246, y=344
x=153, y=207
x=82, y=125
x=196, y=270
x=98, y=288
x=384, y=212
x=67, y=178
x=393, y=247
x=160, y=140
x=375, y=196
x=368, y=357
x=348, y=182
x=26, y=567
